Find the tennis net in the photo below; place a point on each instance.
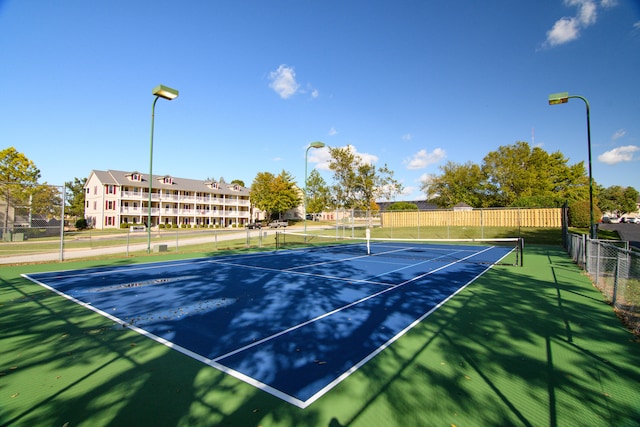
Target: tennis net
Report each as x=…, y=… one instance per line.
x=506, y=251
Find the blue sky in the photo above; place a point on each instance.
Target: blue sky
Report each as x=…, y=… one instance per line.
x=412, y=84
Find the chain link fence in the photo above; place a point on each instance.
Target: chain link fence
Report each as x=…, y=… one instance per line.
x=614, y=269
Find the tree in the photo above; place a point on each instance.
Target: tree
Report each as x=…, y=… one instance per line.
x=343, y=163
x=18, y=175
x=358, y=184
x=388, y=187
x=458, y=183
x=630, y=200
x=617, y=199
x=403, y=206
x=274, y=194
x=518, y=172
x=580, y=214
x=46, y=201
x=75, y=197
x=513, y=175
x=238, y=182
x=318, y=194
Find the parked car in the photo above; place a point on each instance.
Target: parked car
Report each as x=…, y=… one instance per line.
x=633, y=220
x=278, y=224
x=610, y=220
x=255, y=225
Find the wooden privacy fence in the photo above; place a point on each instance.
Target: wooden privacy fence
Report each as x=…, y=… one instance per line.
x=543, y=217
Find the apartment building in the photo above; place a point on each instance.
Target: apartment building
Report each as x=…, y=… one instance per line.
x=117, y=197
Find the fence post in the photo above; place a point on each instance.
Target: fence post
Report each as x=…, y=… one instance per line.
x=64, y=187
x=615, y=280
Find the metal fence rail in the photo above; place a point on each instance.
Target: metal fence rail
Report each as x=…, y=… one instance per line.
x=614, y=270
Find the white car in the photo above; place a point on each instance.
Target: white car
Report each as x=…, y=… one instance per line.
x=633, y=220
x=610, y=220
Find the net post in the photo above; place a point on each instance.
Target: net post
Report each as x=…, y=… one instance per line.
x=521, y=250
x=367, y=234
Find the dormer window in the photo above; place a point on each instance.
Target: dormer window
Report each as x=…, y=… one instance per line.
x=236, y=187
x=167, y=180
x=135, y=177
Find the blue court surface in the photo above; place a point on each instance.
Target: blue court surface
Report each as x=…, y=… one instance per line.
x=293, y=323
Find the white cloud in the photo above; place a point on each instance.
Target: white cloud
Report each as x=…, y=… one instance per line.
x=320, y=157
x=315, y=93
x=568, y=28
x=619, y=154
x=407, y=137
x=407, y=191
x=422, y=158
x=563, y=31
x=619, y=134
x=283, y=81
x=333, y=131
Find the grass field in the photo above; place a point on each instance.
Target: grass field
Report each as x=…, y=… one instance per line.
x=531, y=346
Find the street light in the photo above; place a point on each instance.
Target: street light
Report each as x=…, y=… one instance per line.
x=316, y=144
x=167, y=93
x=563, y=98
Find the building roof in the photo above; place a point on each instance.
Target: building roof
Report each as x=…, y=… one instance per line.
x=121, y=178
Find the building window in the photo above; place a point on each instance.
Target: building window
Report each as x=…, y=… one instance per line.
x=111, y=189
x=95, y=205
x=95, y=189
x=110, y=205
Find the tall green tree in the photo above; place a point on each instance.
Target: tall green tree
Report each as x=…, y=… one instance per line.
x=513, y=175
x=274, y=194
x=18, y=176
x=617, y=199
x=318, y=193
x=344, y=164
x=75, y=197
x=458, y=183
x=46, y=201
x=521, y=176
x=357, y=184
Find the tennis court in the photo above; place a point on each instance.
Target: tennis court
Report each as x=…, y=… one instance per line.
x=534, y=346
x=293, y=323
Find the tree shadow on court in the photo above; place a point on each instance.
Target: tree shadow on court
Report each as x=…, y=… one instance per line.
x=519, y=346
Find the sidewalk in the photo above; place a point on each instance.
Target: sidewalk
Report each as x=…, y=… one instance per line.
x=137, y=247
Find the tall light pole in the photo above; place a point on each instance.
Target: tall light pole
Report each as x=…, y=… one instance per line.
x=316, y=144
x=563, y=98
x=167, y=93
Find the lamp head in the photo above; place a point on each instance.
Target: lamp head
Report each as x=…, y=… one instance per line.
x=165, y=92
x=559, y=98
x=316, y=144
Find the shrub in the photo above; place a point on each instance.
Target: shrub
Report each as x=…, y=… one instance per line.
x=160, y=225
x=81, y=224
x=580, y=215
x=403, y=206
